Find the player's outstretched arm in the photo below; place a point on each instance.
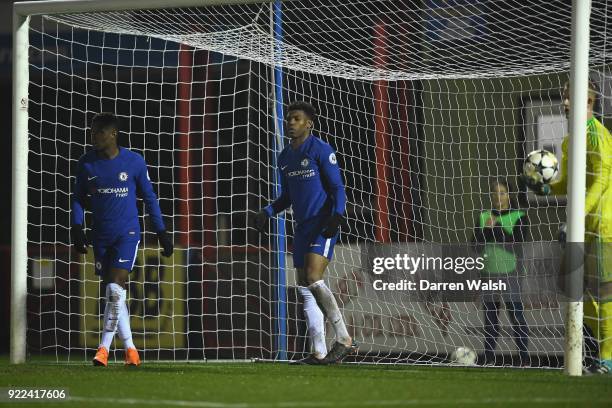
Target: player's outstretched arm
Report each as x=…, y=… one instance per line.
x=559, y=186
x=532, y=182
x=280, y=204
x=539, y=171
x=78, y=237
x=331, y=225
x=261, y=221
x=152, y=207
x=165, y=241
x=330, y=173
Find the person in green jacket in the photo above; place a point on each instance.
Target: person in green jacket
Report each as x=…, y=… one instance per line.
x=499, y=232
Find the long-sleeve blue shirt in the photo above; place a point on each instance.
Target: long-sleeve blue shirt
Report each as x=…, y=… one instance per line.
x=310, y=181
x=113, y=185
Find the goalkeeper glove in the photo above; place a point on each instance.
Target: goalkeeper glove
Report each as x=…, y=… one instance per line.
x=79, y=239
x=534, y=184
x=331, y=225
x=166, y=243
x=261, y=221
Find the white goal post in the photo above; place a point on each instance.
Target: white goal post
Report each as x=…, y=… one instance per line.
x=381, y=185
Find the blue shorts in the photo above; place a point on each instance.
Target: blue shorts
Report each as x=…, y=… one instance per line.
x=307, y=239
x=120, y=253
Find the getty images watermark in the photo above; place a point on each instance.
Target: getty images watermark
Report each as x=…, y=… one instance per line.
x=465, y=272
x=404, y=264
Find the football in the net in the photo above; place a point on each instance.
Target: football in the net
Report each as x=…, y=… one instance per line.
x=541, y=165
x=463, y=356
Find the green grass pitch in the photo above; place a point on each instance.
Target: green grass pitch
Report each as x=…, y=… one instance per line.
x=243, y=385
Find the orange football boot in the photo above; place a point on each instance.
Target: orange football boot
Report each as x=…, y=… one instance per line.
x=131, y=357
x=101, y=358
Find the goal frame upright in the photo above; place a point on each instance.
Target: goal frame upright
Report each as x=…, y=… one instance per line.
x=579, y=76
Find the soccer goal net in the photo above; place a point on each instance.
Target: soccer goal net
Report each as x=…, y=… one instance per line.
x=426, y=102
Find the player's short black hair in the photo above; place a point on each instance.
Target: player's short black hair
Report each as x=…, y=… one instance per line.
x=104, y=121
x=305, y=107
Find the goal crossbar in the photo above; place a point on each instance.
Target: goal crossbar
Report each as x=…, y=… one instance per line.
x=30, y=8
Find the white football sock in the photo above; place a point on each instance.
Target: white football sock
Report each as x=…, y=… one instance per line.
x=107, y=339
x=327, y=301
x=315, y=322
x=123, y=328
x=111, y=313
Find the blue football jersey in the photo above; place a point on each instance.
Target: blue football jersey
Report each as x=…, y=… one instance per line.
x=112, y=186
x=310, y=181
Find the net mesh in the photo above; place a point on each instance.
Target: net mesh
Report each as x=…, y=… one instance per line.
x=424, y=101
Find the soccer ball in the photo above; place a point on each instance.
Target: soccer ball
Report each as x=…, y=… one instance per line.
x=463, y=356
x=541, y=166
